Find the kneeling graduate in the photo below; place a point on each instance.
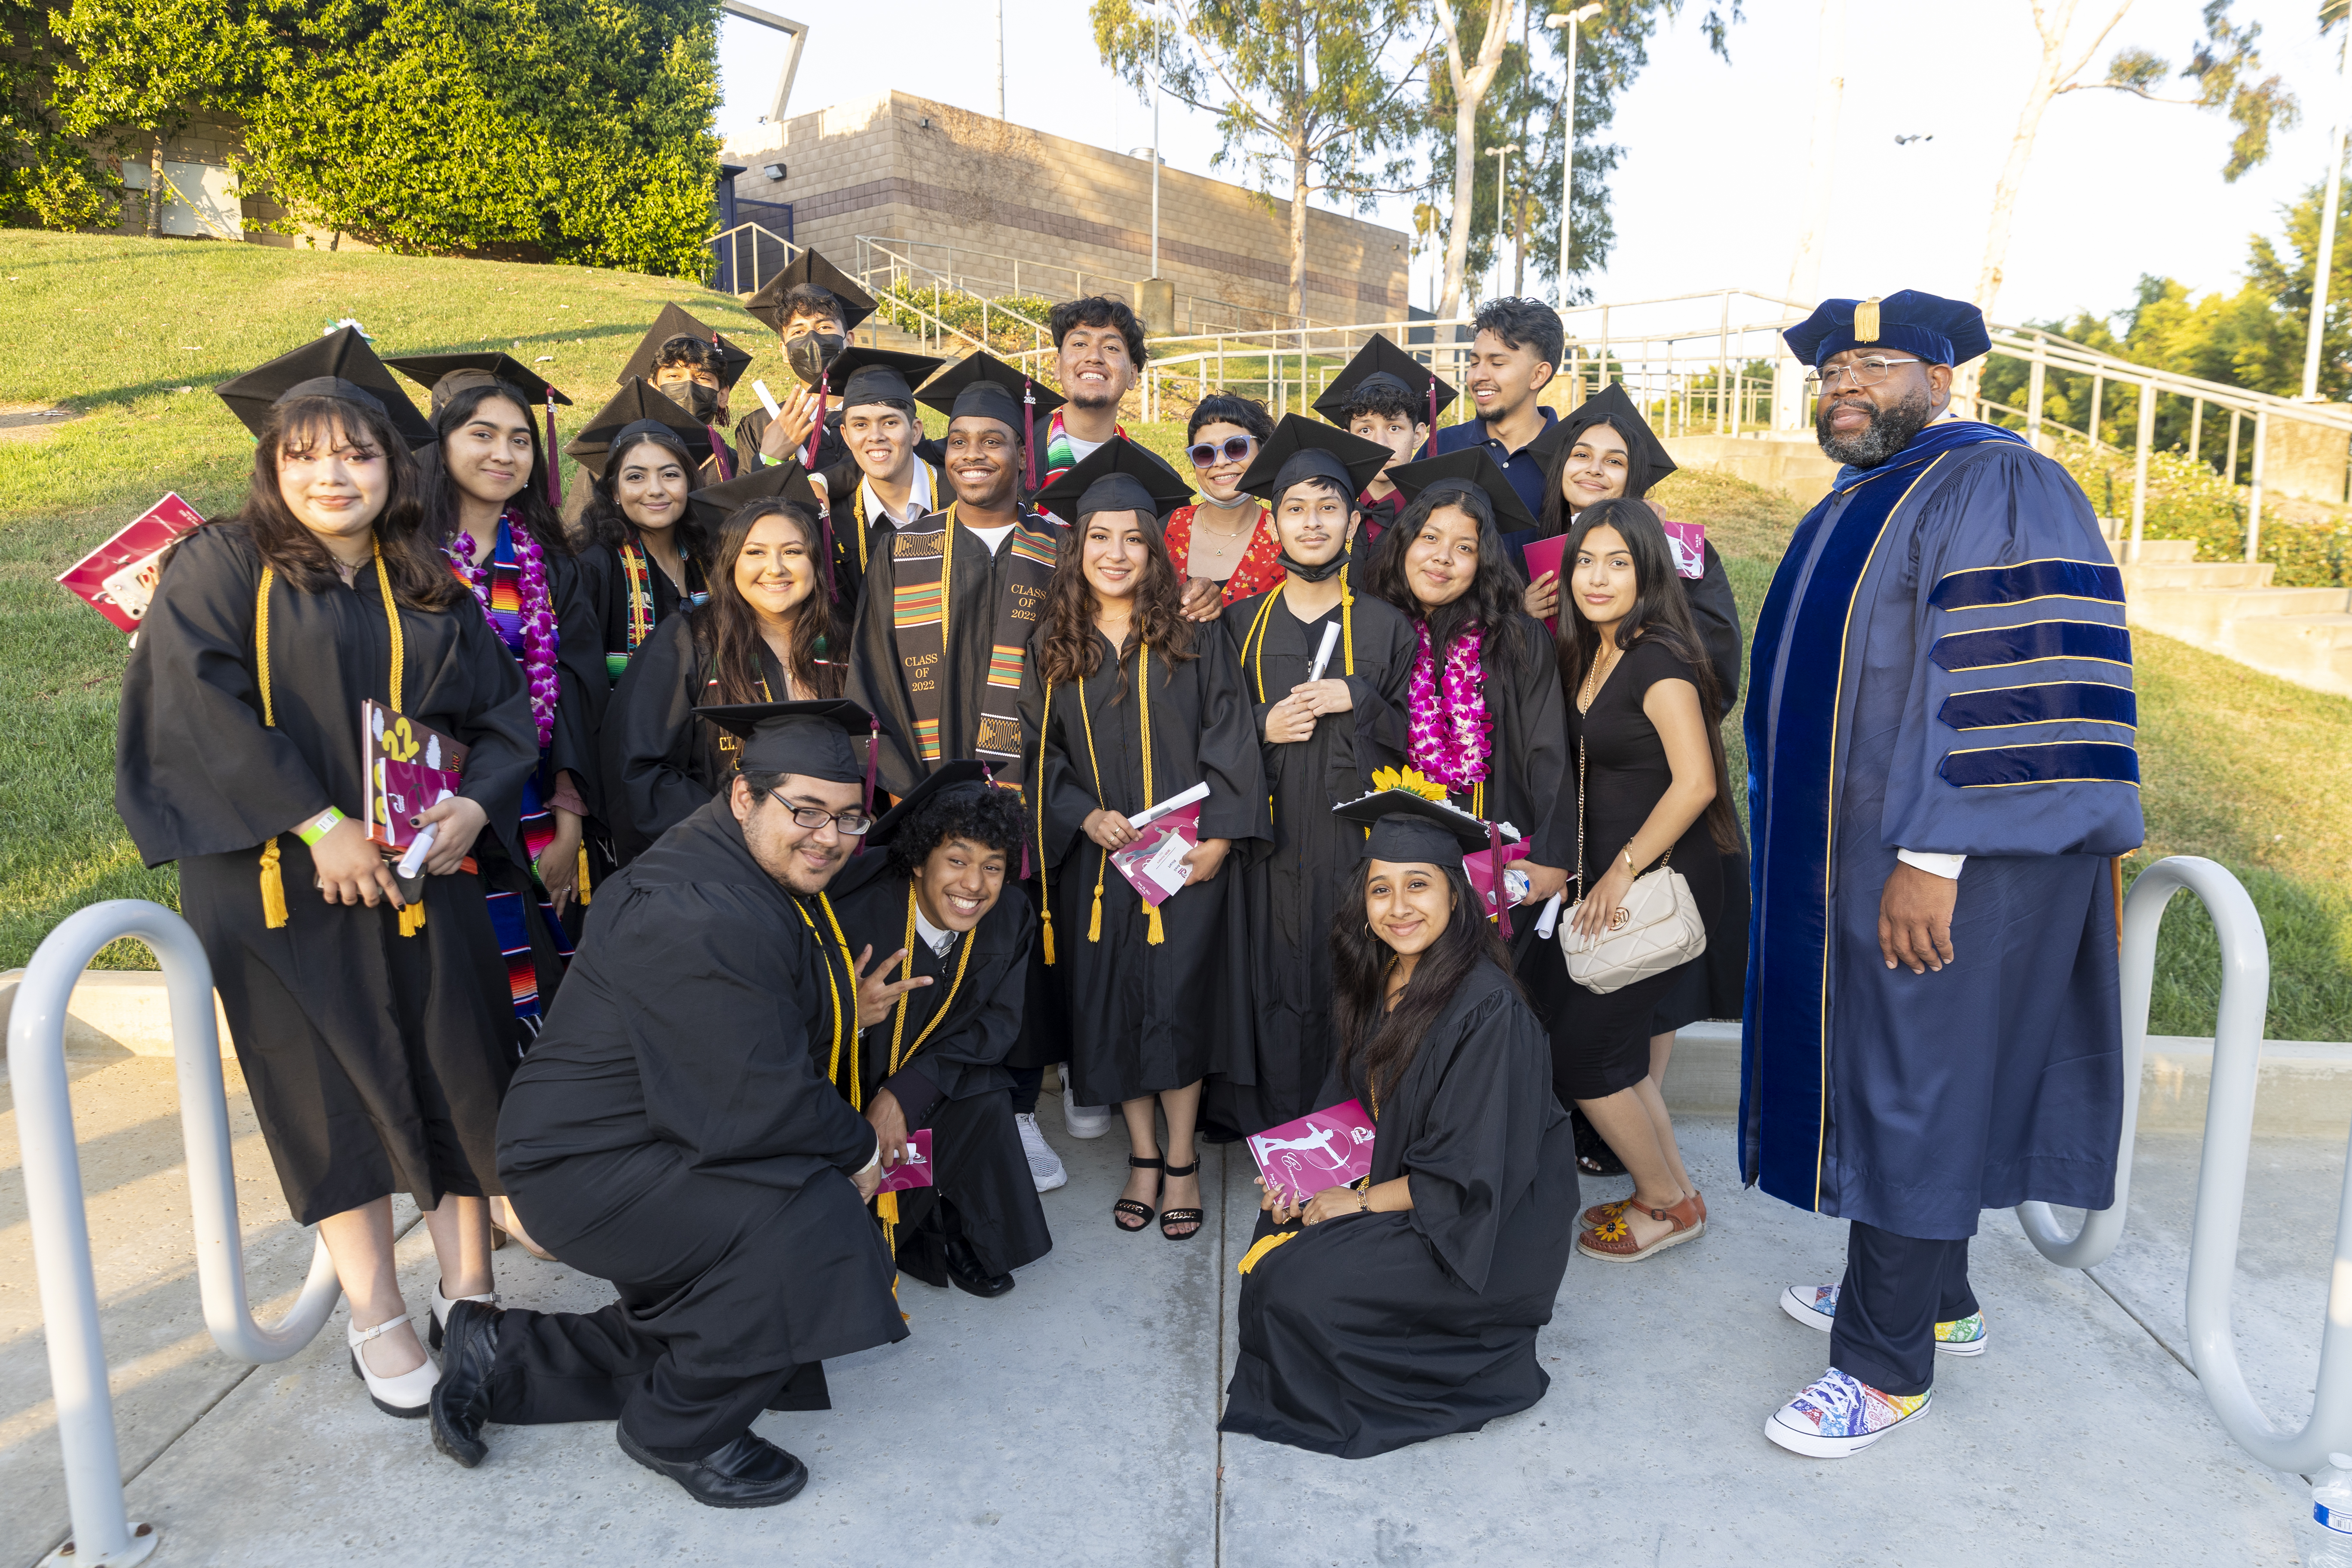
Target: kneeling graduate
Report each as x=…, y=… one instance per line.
x=934, y=900
x=672, y=1131
x=1406, y=1308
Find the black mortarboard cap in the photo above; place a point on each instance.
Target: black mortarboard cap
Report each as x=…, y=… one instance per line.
x=338, y=365
x=857, y=377
x=808, y=267
x=637, y=403
x=1645, y=455
x=1382, y=359
x=446, y=376
x=714, y=504
x=1471, y=466
x=1407, y=827
x=1302, y=448
x=984, y=385
x=1939, y=330
x=949, y=778
x=1117, y=476
x=674, y=322
x=811, y=739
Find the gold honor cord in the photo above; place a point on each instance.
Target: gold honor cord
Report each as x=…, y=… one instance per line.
x=1045, y=888
x=833, y=989
x=1155, y=932
x=1256, y=639
x=885, y=1204
x=273, y=883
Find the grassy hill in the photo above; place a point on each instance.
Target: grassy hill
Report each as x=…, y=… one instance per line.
x=131, y=335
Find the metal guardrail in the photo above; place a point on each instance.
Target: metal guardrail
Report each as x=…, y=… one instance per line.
x=103, y=1533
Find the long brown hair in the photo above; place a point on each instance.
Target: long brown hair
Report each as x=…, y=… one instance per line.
x=602, y=521
x=417, y=570
x=1661, y=614
x=529, y=505
x=727, y=629
x=1069, y=648
x=1375, y=1039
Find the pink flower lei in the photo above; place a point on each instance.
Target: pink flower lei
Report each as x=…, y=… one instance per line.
x=536, y=609
x=1451, y=737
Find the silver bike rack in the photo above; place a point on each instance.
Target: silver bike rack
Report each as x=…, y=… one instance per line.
x=2221, y=1173
x=103, y=1535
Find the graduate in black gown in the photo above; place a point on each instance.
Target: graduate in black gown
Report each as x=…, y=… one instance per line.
x=1387, y=396
x=1406, y=1307
x=1126, y=704
x=885, y=483
x=938, y=891
x=644, y=552
x=759, y=637
x=814, y=306
x=1323, y=739
x=372, y=1016
x=696, y=367
x=673, y=1132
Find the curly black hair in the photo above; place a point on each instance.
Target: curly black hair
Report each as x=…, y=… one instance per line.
x=1097, y=310
x=1384, y=400
x=988, y=815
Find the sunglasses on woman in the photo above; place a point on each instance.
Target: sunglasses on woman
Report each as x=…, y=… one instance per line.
x=1233, y=450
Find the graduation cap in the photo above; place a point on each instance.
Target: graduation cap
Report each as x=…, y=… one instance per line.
x=811, y=739
x=857, y=377
x=1117, y=476
x=1645, y=455
x=617, y=424
x=808, y=267
x=782, y=482
x=1302, y=448
x=1939, y=330
x=1475, y=466
x=447, y=375
x=1380, y=363
x=674, y=322
x=966, y=774
x=339, y=364
x=980, y=385
x=1403, y=824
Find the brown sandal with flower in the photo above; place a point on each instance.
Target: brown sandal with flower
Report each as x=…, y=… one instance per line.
x=1614, y=1243
x=1600, y=1214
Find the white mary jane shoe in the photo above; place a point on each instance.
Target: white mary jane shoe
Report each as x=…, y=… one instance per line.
x=408, y=1395
x=441, y=1305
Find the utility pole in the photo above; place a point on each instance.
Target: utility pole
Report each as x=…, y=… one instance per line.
x=1160, y=42
x=1000, y=59
x=1568, y=22
x=2324, y=262
x=1502, y=156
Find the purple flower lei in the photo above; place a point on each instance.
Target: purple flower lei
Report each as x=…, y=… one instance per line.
x=1451, y=737
x=536, y=609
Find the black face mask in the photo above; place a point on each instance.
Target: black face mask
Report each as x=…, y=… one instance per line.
x=1314, y=573
x=701, y=401
x=810, y=354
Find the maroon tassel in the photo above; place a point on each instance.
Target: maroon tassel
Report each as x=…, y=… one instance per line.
x=554, y=468
x=816, y=431
x=1502, y=893
x=726, y=469
x=873, y=756
x=1431, y=445
x=1029, y=431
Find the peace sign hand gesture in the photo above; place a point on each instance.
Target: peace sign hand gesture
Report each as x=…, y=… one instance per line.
x=876, y=992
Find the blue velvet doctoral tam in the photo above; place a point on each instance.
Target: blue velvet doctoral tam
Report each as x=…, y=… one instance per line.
x=1941, y=666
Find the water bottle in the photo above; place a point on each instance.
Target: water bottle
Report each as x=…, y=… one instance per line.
x=2327, y=1537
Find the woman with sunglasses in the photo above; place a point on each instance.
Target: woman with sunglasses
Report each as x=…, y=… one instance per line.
x=1226, y=539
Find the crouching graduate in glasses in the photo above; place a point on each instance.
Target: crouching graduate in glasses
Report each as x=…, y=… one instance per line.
x=931, y=893
x=672, y=1131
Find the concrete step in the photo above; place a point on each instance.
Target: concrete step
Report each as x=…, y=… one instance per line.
x=2202, y=615
x=1783, y=459
x=2159, y=551
x=2310, y=650
x=2196, y=573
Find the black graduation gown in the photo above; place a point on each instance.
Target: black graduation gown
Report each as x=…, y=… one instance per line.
x=1293, y=886
x=673, y=1131
x=608, y=587
x=660, y=762
x=831, y=449
x=376, y=1061
x=1146, y=1018
x=956, y=1083
x=1368, y=1333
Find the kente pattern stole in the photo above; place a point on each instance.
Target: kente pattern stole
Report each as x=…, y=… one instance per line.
x=922, y=565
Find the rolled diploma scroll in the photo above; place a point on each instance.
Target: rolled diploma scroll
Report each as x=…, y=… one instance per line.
x=1323, y=654
x=1549, y=917
x=767, y=399
x=419, y=848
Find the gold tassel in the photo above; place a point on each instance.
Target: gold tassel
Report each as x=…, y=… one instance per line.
x=583, y=875
x=1263, y=1246
x=412, y=917
x=1094, y=924
x=887, y=1205
x=1865, y=321
x=273, y=889
x=1153, y=931
x=1048, y=938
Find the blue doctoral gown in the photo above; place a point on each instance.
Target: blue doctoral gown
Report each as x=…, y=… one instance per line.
x=1941, y=666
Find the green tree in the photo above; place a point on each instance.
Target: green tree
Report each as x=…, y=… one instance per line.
x=1307, y=95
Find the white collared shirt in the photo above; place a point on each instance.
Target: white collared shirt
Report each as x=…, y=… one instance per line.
x=919, y=499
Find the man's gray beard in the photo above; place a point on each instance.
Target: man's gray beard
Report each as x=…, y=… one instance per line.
x=1889, y=431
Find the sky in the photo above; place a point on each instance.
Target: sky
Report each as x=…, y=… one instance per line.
x=1711, y=190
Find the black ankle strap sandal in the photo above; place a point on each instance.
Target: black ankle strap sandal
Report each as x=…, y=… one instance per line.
x=1126, y=1208
x=1193, y=1217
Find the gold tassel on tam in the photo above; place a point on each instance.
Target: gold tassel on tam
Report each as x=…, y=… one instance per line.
x=412, y=917
x=273, y=889
x=1263, y=1246
x=584, y=874
x=1154, y=932
x=1865, y=321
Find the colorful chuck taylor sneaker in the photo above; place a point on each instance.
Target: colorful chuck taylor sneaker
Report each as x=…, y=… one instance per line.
x=1837, y=1416
x=1816, y=1307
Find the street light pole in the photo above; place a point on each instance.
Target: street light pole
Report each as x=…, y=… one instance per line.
x=1000, y=59
x=2323, y=263
x=1158, y=42
x=1568, y=22
x=1502, y=156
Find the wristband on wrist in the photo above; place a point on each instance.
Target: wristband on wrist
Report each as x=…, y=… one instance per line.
x=319, y=827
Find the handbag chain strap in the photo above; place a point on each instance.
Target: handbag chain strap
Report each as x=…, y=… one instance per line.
x=1663, y=860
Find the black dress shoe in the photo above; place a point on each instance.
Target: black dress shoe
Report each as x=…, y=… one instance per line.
x=750, y=1472
x=461, y=1400
x=964, y=1267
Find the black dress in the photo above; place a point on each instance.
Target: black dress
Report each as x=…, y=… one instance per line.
x=661, y=763
x=1710, y=986
x=377, y=1061
x=1295, y=882
x=1367, y=1332
x=1600, y=1043
x=1145, y=1017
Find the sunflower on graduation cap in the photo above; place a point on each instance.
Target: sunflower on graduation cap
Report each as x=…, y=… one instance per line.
x=1409, y=780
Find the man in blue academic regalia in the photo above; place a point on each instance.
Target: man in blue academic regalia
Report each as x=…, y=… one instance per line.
x=1941, y=773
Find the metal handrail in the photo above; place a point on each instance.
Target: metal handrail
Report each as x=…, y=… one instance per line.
x=103, y=1533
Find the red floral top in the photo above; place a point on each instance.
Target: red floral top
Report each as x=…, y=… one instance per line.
x=1259, y=571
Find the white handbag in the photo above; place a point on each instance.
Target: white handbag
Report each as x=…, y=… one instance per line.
x=1654, y=929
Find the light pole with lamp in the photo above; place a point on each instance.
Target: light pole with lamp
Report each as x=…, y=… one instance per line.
x=1155, y=299
x=1568, y=22
x=1502, y=156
